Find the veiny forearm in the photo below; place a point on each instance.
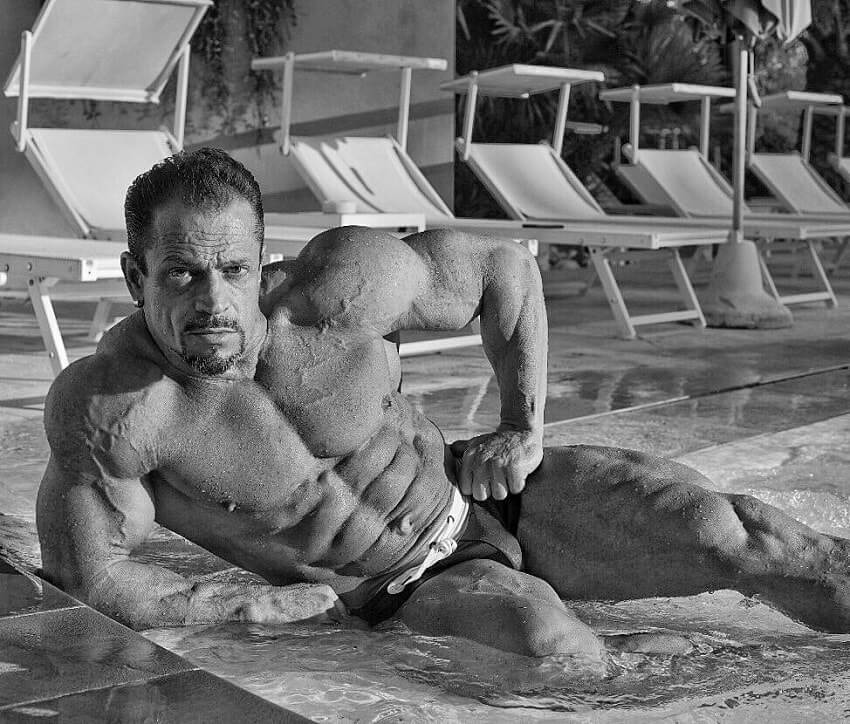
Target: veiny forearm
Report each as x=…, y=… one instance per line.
x=514, y=331
x=145, y=596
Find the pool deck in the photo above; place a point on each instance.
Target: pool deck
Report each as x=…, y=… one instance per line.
x=731, y=402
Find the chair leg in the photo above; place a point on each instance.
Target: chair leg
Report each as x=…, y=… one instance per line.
x=612, y=293
x=840, y=254
x=767, y=277
x=39, y=293
x=820, y=273
x=686, y=289
x=100, y=320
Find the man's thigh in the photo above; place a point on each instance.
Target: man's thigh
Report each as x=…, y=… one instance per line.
x=495, y=605
x=602, y=522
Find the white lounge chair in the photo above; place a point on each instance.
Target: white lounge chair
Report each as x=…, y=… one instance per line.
x=685, y=181
x=100, y=50
x=113, y=50
x=790, y=177
x=839, y=162
x=376, y=174
x=41, y=267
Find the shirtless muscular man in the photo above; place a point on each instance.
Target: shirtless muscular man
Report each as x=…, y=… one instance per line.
x=256, y=412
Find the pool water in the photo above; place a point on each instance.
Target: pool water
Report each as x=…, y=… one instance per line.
x=749, y=663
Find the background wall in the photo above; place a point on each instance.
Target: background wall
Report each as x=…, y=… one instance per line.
x=325, y=103
x=321, y=104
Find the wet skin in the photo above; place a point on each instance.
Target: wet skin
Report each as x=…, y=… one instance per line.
x=266, y=426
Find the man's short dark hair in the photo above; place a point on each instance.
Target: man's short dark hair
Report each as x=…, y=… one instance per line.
x=204, y=178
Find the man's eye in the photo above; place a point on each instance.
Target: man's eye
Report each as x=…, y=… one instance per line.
x=235, y=270
x=178, y=273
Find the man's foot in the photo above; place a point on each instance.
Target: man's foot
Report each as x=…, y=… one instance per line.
x=648, y=643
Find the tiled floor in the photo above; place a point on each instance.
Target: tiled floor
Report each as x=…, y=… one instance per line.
x=713, y=398
x=59, y=658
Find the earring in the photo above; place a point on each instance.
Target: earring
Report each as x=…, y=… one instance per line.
x=139, y=303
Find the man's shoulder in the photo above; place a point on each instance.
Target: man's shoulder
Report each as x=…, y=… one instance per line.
x=120, y=386
x=347, y=276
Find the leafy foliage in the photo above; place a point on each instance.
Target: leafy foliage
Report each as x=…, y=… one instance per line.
x=259, y=27
x=630, y=42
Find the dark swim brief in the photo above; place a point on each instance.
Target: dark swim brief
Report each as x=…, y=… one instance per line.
x=490, y=534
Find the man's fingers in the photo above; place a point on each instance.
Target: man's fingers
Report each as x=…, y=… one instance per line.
x=465, y=474
x=480, y=492
x=498, y=483
x=515, y=479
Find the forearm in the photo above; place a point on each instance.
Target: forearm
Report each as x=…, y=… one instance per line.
x=145, y=596
x=514, y=333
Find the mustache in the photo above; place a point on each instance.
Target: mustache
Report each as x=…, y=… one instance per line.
x=211, y=321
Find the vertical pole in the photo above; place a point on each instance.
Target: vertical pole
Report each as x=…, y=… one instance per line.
x=634, y=122
x=469, y=112
x=705, y=125
x=752, y=125
x=181, y=99
x=806, y=149
x=740, y=126
x=839, y=131
x=404, y=107
x=23, y=91
x=561, y=119
x=286, y=102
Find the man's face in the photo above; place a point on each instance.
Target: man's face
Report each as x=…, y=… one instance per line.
x=202, y=285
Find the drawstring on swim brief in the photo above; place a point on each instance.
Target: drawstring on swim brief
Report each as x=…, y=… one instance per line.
x=442, y=545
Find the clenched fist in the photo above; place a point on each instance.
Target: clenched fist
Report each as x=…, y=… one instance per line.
x=497, y=463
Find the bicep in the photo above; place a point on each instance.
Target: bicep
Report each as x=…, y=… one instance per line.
x=431, y=280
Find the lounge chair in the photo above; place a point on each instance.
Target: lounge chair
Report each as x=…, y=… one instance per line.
x=789, y=176
x=376, y=174
x=685, y=181
x=113, y=50
x=43, y=267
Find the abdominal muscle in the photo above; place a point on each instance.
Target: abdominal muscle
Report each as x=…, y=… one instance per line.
x=366, y=513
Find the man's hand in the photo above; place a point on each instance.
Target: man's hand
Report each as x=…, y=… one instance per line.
x=498, y=463
x=296, y=602
x=316, y=602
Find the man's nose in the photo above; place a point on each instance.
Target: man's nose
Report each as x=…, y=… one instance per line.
x=213, y=295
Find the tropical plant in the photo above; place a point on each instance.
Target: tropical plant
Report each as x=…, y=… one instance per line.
x=630, y=42
x=827, y=41
x=231, y=33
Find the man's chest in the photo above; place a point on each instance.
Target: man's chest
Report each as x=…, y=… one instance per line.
x=332, y=386
x=256, y=441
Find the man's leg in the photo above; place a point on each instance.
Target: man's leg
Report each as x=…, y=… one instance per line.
x=605, y=523
x=495, y=605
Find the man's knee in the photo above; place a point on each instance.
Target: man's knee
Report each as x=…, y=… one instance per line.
x=499, y=607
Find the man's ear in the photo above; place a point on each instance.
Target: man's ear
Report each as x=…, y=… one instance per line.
x=133, y=275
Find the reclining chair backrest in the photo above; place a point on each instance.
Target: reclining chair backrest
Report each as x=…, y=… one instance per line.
x=316, y=161
x=112, y=50
x=90, y=170
x=374, y=173
x=682, y=179
x=796, y=184
x=531, y=182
